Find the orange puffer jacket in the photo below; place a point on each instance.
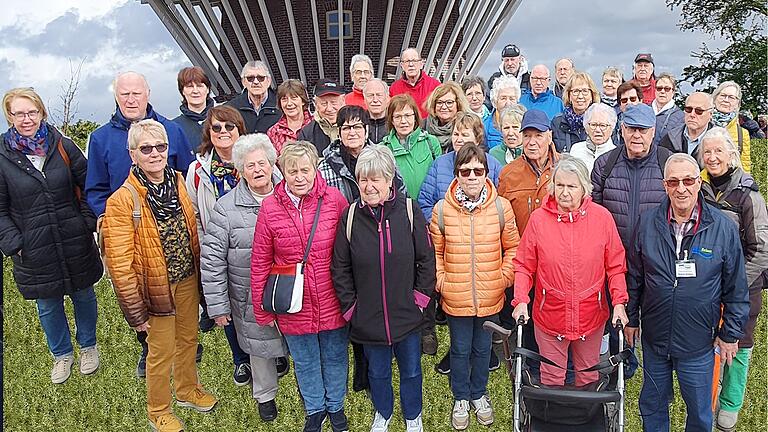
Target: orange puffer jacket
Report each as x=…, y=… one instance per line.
x=474, y=256
x=135, y=258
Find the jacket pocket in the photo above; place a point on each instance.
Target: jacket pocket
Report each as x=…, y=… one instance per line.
x=551, y=305
x=350, y=312
x=421, y=151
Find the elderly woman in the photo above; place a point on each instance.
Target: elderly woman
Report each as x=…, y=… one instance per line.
x=570, y=316
x=727, y=187
x=509, y=121
x=475, y=91
x=727, y=97
x=445, y=102
x=317, y=334
x=629, y=93
x=47, y=228
x=475, y=238
x=599, y=122
x=568, y=127
x=668, y=115
x=293, y=101
x=611, y=80
x=225, y=259
x=414, y=148
x=383, y=290
x=194, y=87
x=153, y=262
x=505, y=92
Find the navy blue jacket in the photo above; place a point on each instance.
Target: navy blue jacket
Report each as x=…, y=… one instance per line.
x=666, y=121
x=255, y=122
x=192, y=123
x=680, y=316
x=563, y=136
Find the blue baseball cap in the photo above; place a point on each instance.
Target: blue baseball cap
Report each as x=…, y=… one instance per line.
x=536, y=119
x=639, y=116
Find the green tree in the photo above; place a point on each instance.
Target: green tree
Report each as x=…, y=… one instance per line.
x=80, y=131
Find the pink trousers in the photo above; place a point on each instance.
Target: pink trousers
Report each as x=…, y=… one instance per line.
x=584, y=353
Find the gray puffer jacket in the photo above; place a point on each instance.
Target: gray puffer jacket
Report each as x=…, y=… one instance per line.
x=225, y=267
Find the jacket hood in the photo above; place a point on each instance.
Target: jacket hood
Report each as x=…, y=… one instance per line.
x=450, y=194
x=520, y=72
x=550, y=206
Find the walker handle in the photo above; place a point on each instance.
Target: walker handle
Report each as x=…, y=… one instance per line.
x=495, y=328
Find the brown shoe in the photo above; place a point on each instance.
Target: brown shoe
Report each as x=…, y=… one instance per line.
x=199, y=400
x=429, y=343
x=166, y=423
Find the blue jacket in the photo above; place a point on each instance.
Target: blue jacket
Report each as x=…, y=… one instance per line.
x=547, y=102
x=563, y=136
x=441, y=175
x=680, y=316
x=666, y=121
x=109, y=161
x=492, y=135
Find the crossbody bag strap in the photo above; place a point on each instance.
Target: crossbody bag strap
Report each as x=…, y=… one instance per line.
x=314, y=228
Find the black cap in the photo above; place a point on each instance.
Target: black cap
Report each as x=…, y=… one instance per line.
x=644, y=57
x=327, y=86
x=510, y=50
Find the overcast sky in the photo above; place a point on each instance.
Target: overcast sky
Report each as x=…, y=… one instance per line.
x=42, y=36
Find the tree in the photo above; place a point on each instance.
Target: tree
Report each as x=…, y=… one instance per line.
x=68, y=109
x=745, y=60
x=80, y=131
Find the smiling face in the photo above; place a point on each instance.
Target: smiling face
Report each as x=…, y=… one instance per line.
x=717, y=158
x=328, y=106
x=374, y=190
x=568, y=191
x=682, y=198
x=471, y=183
x=257, y=172
x=580, y=96
x=26, y=116
x=224, y=139
x=610, y=85
x=300, y=176
x=152, y=164
x=292, y=105
x=446, y=108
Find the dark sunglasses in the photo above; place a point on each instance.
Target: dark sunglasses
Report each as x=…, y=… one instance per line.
x=465, y=172
x=228, y=126
x=630, y=99
x=674, y=183
x=699, y=111
x=664, y=88
x=147, y=150
x=251, y=78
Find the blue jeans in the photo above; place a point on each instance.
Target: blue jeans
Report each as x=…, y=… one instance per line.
x=470, y=355
x=321, y=363
x=408, y=354
x=238, y=355
x=55, y=325
x=694, y=375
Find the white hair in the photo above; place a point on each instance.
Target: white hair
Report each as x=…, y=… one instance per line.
x=573, y=165
x=600, y=108
x=376, y=160
x=724, y=85
x=127, y=73
x=357, y=58
x=255, y=64
x=722, y=135
x=378, y=81
x=250, y=143
x=680, y=157
x=502, y=83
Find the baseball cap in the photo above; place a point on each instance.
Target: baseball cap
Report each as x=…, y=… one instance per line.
x=326, y=86
x=639, y=116
x=536, y=119
x=644, y=57
x=510, y=50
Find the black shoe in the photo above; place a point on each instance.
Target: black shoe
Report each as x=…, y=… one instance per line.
x=440, y=318
x=199, y=353
x=338, y=421
x=314, y=422
x=444, y=367
x=268, y=411
x=141, y=367
x=494, y=363
x=207, y=324
x=429, y=343
x=242, y=374
x=282, y=365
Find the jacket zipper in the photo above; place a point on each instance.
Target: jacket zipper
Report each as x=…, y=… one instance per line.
x=472, y=259
x=389, y=238
x=383, y=278
x=543, y=298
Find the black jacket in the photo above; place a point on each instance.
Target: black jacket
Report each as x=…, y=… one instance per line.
x=385, y=273
x=313, y=133
x=377, y=130
x=268, y=116
x=676, y=142
x=563, y=136
x=192, y=123
x=41, y=217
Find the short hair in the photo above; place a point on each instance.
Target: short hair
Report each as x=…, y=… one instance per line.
x=143, y=128
x=573, y=65
x=399, y=102
x=669, y=77
x=442, y=90
x=292, y=87
x=600, y=107
x=294, y=150
x=189, y=75
x=466, y=153
x=473, y=122
x=25, y=93
x=250, y=143
x=357, y=58
x=224, y=113
x=379, y=81
x=722, y=134
x=375, y=160
x=724, y=85
x=126, y=73
x=352, y=112
x=710, y=98
x=501, y=83
x=583, y=77
x=573, y=165
x=614, y=72
x=402, y=53
x=255, y=64
x=627, y=86
x=512, y=113
x=471, y=81
x=680, y=157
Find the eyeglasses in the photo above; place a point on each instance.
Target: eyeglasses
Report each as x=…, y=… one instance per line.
x=728, y=97
x=18, y=115
x=411, y=62
x=259, y=78
x=475, y=94
x=147, y=150
x=581, y=91
x=602, y=126
x=464, y=172
x=697, y=110
x=357, y=127
x=664, y=88
x=539, y=78
x=629, y=99
x=400, y=117
x=675, y=183
x=218, y=127
x=446, y=103
x=362, y=72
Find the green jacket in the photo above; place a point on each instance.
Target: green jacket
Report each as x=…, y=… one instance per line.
x=414, y=162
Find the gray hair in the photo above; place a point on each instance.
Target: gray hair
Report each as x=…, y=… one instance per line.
x=250, y=143
x=376, y=160
x=573, y=65
x=573, y=165
x=669, y=77
x=472, y=81
x=710, y=99
x=503, y=83
x=614, y=72
x=680, y=157
x=721, y=134
x=600, y=108
x=725, y=84
x=143, y=78
x=147, y=128
x=357, y=58
x=379, y=81
x=255, y=64
x=512, y=113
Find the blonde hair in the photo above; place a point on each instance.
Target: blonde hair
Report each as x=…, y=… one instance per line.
x=293, y=150
x=581, y=77
x=444, y=89
x=144, y=128
x=26, y=93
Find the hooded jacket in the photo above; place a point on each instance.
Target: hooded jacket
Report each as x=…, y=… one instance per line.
x=547, y=102
x=415, y=161
x=420, y=91
x=259, y=121
x=493, y=136
x=355, y=97
x=280, y=133
x=523, y=75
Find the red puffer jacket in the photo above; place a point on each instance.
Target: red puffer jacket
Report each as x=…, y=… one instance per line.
x=281, y=236
x=570, y=254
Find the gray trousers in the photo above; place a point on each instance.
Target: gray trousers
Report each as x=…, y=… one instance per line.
x=264, y=379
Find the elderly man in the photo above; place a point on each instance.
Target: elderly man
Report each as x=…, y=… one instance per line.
x=258, y=102
x=361, y=71
x=322, y=131
x=414, y=80
x=644, y=75
x=539, y=96
x=376, y=94
x=697, y=119
x=514, y=65
x=504, y=93
x=685, y=265
x=563, y=70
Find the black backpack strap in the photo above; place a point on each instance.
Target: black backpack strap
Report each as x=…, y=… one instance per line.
x=613, y=157
x=611, y=361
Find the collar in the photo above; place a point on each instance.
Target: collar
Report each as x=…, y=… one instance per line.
x=657, y=110
x=694, y=215
x=418, y=80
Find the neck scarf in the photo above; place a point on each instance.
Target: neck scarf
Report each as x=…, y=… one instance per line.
x=163, y=198
x=36, y=145
x=466, y=202
x=513, y=153
x=610, y=101
x=720, y=183
x=722, y=119
x=575, y=121
x=224, y=176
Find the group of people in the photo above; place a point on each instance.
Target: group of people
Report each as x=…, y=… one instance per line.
x=395, y=209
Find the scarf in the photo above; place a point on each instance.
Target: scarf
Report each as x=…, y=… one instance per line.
x=610, y=101
x=331, y=130
x=442, y=133
x=722, y=119
x=575, y=121
x=721, y=183
x=467, y=203
x=163, y=198
x=198, y=117
x=513, y=153
x=224, y=176
x=36, y=145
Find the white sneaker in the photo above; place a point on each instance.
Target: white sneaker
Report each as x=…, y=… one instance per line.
x=62, y=369
x=414, y=425
x=460, y=415
x=726, y=420
x=380, y=424
x=483, y=410
x=89, y=360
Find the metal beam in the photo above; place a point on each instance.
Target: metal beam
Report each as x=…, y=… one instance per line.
x=439, y=36
x=425, y=26
x=469, y=11
x=408, y=32
x=273, y=41
x=236, y=28
x=479, y=36
x=385, y=40
x=363, y=23
x=505, y=17
x=477, y=17
x=340, y=21
x=318, y=50
x=216, y=25
x=295, y=38
x=255, y=37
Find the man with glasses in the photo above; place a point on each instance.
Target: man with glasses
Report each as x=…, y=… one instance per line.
x=361, y=71
x=514, y=65
x=322, y=131
x=686, y=137
x=685, y=261
x=414, y=80
x=376, y=94
x=564, y=69
x=257, y=102
x=644, y=75
x=539, y=96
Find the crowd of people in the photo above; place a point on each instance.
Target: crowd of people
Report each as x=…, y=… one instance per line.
x=302, y=224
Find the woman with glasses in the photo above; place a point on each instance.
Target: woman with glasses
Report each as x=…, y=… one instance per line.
x=475, y=91
x=668, y=115
x=599, y=122
x=512, y=138
x=46, y=227
x=443, y=104
x=505, y=92
x=727, y=97
x=568, y=127
x=293, y=102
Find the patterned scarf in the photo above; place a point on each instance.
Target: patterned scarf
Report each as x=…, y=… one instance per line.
x=33, y=146
x=224, y=176
x=722, y=119
x=163, y=198
x=610, y=101
x=575, y=121
x=467, y=203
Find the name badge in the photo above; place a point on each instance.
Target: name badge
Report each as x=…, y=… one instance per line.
x=685, y=268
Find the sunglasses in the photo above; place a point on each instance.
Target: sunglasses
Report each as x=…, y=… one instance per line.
x=674, y=183
x=699, y=111
x=218, y=127
x=664, y=88
x=252, y=78
x=147, y=150
x=629, y=99
x=466, y=171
